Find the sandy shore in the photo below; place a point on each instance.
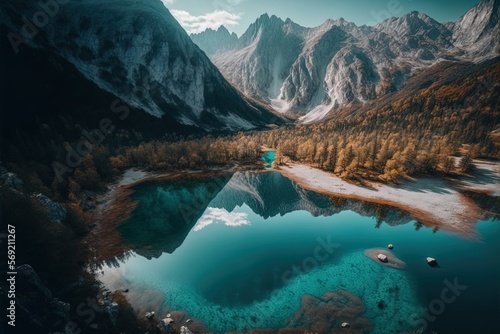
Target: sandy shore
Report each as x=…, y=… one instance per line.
x=434, y=202
x=485, y=178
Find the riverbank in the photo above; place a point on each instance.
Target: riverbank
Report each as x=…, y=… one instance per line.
x=434, y=202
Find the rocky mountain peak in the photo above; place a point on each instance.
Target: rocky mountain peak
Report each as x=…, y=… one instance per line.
x=316, y=71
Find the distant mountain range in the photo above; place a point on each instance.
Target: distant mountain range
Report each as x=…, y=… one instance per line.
x=135, y=51
x=312, y=72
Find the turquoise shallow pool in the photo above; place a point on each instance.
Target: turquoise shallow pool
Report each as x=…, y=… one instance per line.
x=268, y=158
x=239, y=252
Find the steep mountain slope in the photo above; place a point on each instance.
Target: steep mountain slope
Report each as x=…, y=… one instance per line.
x=139, y=53
x=478, y=30
x=310, y=72
x=265, y=53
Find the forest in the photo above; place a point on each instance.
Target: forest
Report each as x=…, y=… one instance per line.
x=414, y=132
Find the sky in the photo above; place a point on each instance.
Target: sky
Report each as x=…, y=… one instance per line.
x=236, y=15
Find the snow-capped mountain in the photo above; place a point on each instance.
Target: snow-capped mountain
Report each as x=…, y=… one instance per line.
x=137, y=51
x=311, y=72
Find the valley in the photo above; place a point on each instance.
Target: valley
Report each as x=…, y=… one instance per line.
x=173, y=166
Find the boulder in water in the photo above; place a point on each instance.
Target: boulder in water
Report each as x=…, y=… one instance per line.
x=432, y=261
x=382, y=257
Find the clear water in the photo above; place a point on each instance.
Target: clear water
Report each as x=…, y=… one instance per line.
x=268, y=158
x=239, y=252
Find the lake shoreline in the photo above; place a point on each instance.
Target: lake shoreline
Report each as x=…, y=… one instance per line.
x=449, y=210
x=116, y=205
x=434, y=202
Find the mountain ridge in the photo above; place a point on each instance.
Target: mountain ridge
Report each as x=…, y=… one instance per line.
x=146, y=59
x=352, y=65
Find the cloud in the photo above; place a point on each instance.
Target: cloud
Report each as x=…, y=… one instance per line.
x=214, y=215
x=195, y=24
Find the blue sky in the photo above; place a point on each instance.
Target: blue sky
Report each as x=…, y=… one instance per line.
x=237, y=15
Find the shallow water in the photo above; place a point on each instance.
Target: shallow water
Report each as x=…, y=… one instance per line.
x=268, y=158
x=240, y=252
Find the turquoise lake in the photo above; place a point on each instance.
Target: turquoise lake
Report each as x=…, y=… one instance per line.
x=239, y=251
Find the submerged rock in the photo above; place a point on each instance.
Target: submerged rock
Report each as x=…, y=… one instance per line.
x=328, y=313
x=185, y=330
x=331, y=313
x=166, y=325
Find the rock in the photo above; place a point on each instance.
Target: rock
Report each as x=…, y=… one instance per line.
x=382, y=257
x=166, y=325
x=391, y=246
x=432, y=261
x=35, y=304
x=150, y=315
x=377, y=255
x=185, y=330
x=56, y=212
x=326, y=313
x=87, y=205
x=345, y=325
x=169, y=315
x=10, y=179
x=188, y=320
x=112, y=312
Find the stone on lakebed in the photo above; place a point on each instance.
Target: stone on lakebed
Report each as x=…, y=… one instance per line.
x=382, y=257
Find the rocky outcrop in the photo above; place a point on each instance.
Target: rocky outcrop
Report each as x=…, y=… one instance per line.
x=36, y=308
x=55, y=211
x=10, y=179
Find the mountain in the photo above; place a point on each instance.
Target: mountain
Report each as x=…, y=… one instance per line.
x=137, y=52
x=215, y=41
x=478, y=30
x=311, y=72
